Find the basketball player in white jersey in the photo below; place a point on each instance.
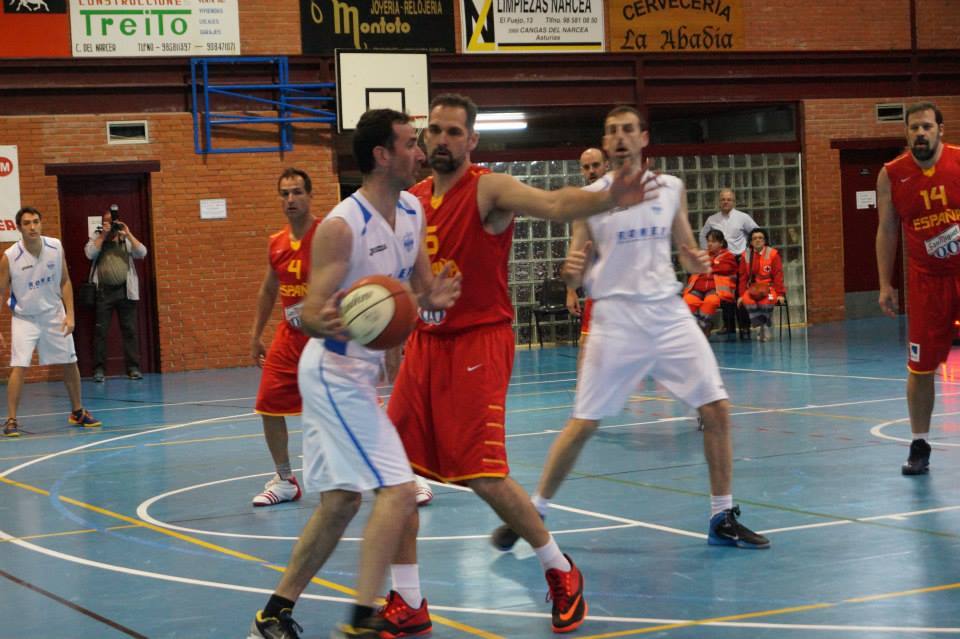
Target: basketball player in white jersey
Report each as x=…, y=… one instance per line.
x=34, y=271
x=349, y=444
x=640, y=326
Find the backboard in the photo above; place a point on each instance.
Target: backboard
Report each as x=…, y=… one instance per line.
x=381, y=80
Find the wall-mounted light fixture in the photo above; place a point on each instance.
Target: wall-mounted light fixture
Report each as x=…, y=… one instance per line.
x=507, y=121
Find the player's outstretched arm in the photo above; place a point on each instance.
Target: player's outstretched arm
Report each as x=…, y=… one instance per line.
x=329, y=263
x=887, y=238
x=501, y=192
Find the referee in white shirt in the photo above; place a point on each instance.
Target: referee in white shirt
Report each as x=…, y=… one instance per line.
x=736, y=227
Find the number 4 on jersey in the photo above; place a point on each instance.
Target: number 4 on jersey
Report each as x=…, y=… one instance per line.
x=294, y=267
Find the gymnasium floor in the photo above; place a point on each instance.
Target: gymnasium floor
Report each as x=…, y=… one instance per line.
x=144, y=528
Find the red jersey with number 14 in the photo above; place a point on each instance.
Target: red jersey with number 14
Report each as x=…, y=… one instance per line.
x=928, y=202
x=290, y=260
x=455, y=234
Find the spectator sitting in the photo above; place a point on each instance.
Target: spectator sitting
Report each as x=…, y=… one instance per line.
x=761, y=282
x=705, y=291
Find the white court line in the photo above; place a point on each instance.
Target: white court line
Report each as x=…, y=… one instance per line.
x=6, y=537
x=622, y=520
x=843, y=522
x=220, y=585
x=143, y=512
x=876, y=431
x=199, y=402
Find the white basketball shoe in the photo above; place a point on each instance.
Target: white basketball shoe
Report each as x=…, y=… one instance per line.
x=277, y=491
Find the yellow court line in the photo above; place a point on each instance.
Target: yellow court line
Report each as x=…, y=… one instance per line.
x=65, y=533
x=230, y=552
x=771, y=613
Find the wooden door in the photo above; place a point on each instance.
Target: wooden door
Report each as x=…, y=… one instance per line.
x=86, y=196
x=859, y=169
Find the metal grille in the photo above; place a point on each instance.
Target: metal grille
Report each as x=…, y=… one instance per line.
x=767, y=185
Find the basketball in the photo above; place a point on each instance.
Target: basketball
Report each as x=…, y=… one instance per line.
x=379, y=312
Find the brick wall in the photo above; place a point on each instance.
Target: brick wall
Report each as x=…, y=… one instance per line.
x=937, y=22
x=207, y=272
x=270, y=27
x=787, y=25
x=825, y=120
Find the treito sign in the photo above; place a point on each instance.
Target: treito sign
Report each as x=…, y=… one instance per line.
x=422, y=25
x=668, y=26
x=154, y=28
x=9, y=193
x=532, y=26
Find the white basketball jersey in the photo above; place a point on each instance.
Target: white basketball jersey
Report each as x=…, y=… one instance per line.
x=632, y=246
x=35, y=281
x=378, y=249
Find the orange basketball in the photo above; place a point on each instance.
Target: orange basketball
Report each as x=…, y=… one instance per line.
x=379, y=312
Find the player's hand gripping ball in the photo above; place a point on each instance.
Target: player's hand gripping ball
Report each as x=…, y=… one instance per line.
x=379, y=312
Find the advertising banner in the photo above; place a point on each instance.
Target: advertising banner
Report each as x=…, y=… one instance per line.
x=154, y=28
x=668, y=26
x=422, y=25
x=9, y=193
x=532, y=26
x=34, y=29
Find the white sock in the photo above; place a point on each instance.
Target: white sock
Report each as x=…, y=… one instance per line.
x=284, y=471
x=541, y=504
x=720, y=503
x=550, y=556
x=924, y=436
x=406, y=581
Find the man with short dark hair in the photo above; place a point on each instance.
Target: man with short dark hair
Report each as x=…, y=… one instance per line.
x=920, y=192
x=642, y=327
x=34, y=271
x=349, y=444
x=288, y=270
x=449, y=396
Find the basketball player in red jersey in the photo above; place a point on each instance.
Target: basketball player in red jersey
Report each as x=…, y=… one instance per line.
x=922, y=189
x=448, y=399
x=287, y=275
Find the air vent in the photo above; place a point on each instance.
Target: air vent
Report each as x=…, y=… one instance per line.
x=127, y=133
x=890, y=112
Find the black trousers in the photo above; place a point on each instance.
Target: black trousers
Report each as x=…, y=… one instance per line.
x=110, y=298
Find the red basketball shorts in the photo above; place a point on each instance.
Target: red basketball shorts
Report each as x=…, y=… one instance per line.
x=448, y=402
x=585, y=316
x=278, y=393
x=934, y=306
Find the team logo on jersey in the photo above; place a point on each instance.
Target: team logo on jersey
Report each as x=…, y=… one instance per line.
x=50, y=265
x=914, y=352
x=639, y=234
x=656, y=209
x=378, y=249
x=408, y=242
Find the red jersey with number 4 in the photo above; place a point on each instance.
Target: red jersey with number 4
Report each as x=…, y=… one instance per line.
x=456, y=235
x=928, y=202
x=290, y=260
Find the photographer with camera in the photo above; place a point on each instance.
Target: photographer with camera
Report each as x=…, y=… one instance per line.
x=112, y=249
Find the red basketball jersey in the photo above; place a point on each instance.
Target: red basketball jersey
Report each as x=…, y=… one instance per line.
x=928, y=202
x=455, y=234
x=290, y=260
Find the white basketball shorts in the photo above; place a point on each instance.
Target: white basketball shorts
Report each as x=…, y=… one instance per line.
x=630, y=340
x=349, y=443
x=43, y=332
